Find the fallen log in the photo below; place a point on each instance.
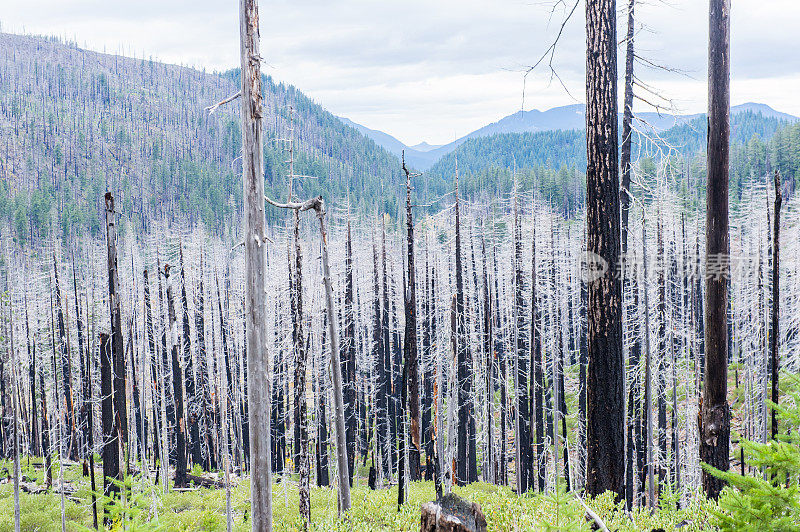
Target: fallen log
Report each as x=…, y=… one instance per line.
x=451, y=513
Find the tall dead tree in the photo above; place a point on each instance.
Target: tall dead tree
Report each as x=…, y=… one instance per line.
x=349, y=355
x=111, y=429
x=258, y=381
x=463, y=391
x=537, y=397
x=522, y=438
x=606, y=371
x=715, y=412
x=410, y=341
x=120, y=410
x=317, y=205
x=302, y=459
x=177, y=385
x=66, y=372
x=627, y=129
x=774, y=347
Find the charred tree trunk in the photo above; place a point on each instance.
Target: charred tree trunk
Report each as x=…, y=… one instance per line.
x=177, y=387
x=627, y=130
x=464, y=393
x=661, y=354
x=117, y=346
x=35, y=441
x=488, y=353
x=774, y=334
x=323, y=478
x=300, y=405
x=349, y=366
x=606, y=371
x=538, y=374
x=85, y=405
x=155, y=381
x=66, y=372
x=410, y=341
x=193, y=402
x=715, y=411
x=111, y=426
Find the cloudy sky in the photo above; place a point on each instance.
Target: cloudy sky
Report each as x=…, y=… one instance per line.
x=433, y=70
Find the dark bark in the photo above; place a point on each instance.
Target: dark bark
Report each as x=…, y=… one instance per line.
x=323, y=474
x=155, y=381
x=83, y=361
x=488, y=354
x=111, y=426
x=605, y=379
x=410, y=341
x=715, y=411
x=774, y=333
x=661, y=355
x=349, y=359
x=627, y=130
x=68, y=448
x=35, y=440
x=500, y=351
x=116, y=322
x=538, y=373
x=177, y=387
x=464, y=392
x=302, y=460
x=193, y=402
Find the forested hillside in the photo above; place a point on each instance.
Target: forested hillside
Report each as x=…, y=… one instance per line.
x=76, y=123
x=556, y=160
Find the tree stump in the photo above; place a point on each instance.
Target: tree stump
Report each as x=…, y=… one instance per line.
x=451, y=513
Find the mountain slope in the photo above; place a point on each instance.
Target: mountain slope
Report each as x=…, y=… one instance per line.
x=75, y=123
x=555, y=149
x=565, y=118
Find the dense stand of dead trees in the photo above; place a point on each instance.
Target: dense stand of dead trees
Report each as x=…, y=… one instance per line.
x=507, y=333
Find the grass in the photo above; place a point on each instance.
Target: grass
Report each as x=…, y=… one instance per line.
x=204, y=509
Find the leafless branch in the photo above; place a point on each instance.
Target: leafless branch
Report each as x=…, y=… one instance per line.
x=213, y=108
x=549, y=53
x=313, y=203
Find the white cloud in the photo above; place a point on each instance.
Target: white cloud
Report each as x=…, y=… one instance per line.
x=423, y=70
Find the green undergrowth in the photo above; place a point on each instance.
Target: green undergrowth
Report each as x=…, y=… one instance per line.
x=204, y=509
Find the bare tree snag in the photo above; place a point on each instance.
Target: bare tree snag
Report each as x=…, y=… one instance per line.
x=258, y=363
x=111, y=458
x=714, y=410
x=317, y=205
x=410, y=341
x=177, y=386
x=627, y=130
x=116, y=322
x=774, y=334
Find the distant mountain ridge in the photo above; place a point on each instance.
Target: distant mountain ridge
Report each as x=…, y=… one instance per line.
x=564, y=118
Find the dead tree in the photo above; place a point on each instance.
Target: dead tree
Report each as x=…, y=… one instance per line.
x=606, y=370
x=537, y=398
x=117, y=347
x=776, y=303
x=258, y=382
x=714, y=410
x=317, y=205
x=111, y=427
x=522, y=439
x=463, y=388
x=66, y=371
x=627, y=129
x=177, y=386
x=349, y=355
